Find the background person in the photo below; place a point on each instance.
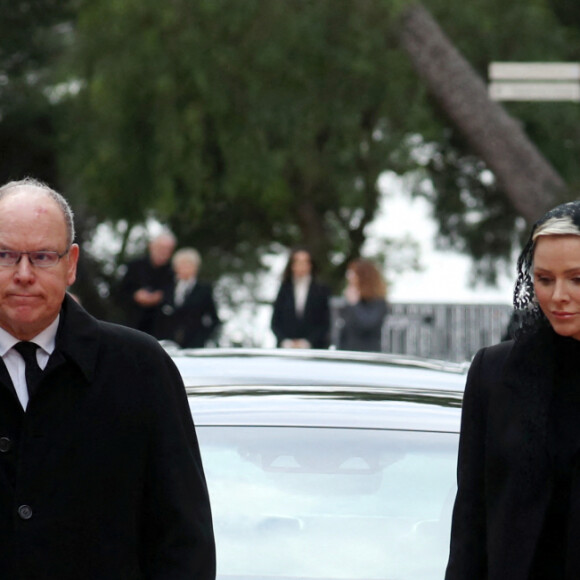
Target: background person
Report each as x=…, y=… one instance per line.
x=516, y=512
x=100, y=470
x=363, y=315
x=301, y=313
x=141, y=288
x=188, y=315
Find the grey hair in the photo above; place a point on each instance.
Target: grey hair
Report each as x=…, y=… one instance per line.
x=190, y=254
x=30, y=183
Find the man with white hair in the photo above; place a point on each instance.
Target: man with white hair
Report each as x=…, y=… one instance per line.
x=100, y=471
x=188, y=315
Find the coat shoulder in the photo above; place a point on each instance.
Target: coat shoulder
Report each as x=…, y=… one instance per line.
x=116, y=335
x=490, y=361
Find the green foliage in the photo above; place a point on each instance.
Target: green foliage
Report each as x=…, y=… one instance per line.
x=260, y=122
x=241, y=123
x=474, y=216
x=472, y=213
x=33, y=34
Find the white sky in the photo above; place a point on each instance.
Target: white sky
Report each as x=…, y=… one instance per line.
x=445, y=277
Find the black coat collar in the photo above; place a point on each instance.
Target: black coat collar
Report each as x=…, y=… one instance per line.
x=77, y=339
x=530, y=375
x=531, y=365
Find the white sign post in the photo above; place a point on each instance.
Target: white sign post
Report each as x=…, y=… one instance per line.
x=540, y=81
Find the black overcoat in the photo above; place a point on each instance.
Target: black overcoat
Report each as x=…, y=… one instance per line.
x=193, y=323
x=313, y=325
x=101, y=478
x=141, y=273
x=505, y=474
x=362, y=325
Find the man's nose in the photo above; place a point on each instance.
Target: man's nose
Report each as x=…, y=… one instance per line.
x=24, y=268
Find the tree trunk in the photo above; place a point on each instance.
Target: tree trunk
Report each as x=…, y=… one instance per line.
x=528, y=179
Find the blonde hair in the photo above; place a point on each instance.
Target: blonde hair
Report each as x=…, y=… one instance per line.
x=557, y=226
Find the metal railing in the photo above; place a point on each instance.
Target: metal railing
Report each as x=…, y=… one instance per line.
x=453, y=332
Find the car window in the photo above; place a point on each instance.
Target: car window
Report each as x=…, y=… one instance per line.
x=330, y=503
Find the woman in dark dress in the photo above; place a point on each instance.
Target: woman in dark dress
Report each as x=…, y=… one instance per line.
x=301, y=312
x=517, y=510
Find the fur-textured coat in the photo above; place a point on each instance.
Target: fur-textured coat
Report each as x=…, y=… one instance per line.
x=505, y=472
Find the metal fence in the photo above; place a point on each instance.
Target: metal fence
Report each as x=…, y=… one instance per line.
x=453, y=332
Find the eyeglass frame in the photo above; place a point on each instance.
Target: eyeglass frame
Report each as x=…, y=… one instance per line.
x=32, y=260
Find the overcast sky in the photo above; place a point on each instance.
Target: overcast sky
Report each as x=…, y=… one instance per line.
x=446, y=274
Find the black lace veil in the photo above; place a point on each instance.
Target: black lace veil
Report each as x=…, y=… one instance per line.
x=529, y=317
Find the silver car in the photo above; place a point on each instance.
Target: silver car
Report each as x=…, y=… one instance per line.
x=326, y=464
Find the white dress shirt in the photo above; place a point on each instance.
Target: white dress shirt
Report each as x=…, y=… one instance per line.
x=301, y=286
x=15, y=363
x=182, y=289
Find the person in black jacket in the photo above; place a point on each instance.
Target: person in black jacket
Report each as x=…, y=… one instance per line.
x=142, y=286
x=100, y=470
x=301, y=313
x=363, y=315
x=188, y=314
x=516, y=513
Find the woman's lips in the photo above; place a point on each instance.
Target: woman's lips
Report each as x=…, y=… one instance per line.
x=563, y=315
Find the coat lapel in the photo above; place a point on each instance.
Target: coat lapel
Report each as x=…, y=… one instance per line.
x=6, y=381
x=519, y=498
x=530, y=375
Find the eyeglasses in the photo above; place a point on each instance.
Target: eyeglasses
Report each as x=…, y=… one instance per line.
x=40, y=259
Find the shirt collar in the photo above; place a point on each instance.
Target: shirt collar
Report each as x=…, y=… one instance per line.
x=45, y=339
x=188, y=282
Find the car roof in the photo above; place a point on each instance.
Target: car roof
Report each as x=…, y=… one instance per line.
x=262, y=387
x=242, y=366
x=323, y=408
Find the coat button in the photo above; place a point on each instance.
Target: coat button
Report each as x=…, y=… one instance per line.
x=5, y=444
x=25, y=512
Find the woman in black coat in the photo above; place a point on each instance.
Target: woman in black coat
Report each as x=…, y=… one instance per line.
x=517, y=510
x=363, y=315
x=301, y=313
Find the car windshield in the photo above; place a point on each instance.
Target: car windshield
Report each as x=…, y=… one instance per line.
x=330, y=503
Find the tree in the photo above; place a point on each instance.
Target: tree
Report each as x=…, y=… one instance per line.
x=33, y=33
x=485, y=170
x=247, y=124
x=241, y=123
x=530, y=182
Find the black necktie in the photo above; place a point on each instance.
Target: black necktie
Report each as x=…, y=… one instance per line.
x=33, y=371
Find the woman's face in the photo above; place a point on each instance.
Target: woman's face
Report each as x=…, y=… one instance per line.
x=557, y=282
x=301, y=264
x=352, y=277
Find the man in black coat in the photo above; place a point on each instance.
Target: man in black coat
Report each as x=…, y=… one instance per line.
x=141, y=292
x=188, y=315
x=100, y=471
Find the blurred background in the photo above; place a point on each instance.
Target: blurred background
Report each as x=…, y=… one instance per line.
x=356, y=127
